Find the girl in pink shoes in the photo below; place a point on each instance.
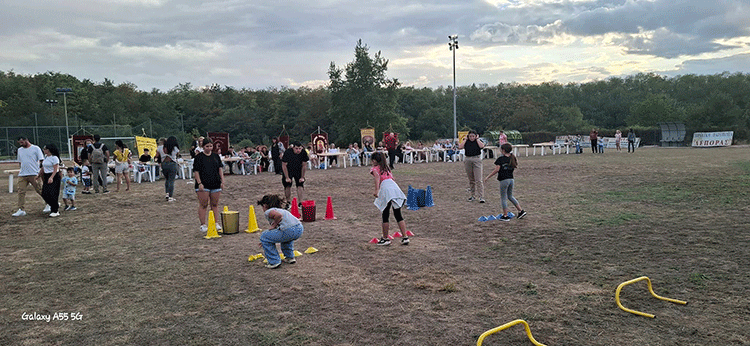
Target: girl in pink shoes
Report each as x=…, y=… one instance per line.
x=388, y=195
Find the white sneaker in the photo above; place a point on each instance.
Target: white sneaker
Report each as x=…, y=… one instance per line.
x=54, y=214
x=170, y=199
x=204, y=229
x=218, y=227
x=20, y=212
x=47, y=209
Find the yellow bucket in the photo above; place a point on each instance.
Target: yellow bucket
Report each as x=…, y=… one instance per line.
x=230, y=222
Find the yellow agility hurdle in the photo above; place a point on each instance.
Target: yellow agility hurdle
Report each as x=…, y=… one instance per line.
x=650, y=289
x=508, y=325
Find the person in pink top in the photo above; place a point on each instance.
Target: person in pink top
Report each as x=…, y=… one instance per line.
x=502, y=138
x=388, y=195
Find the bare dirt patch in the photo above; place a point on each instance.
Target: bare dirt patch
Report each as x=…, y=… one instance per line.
x=139, y=272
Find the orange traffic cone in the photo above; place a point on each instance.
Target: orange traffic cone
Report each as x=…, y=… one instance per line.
x=374, y=241
x=212, y=233
x=252, y=222
x=409, y=234
x=329, y=210
x=295, y=209
x=397, y=234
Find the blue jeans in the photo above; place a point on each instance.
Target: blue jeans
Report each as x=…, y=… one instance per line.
x=285, y=237
x=169, y=169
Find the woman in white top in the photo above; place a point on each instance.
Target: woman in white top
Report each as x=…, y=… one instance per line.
x=51, y=178
x=168, y=153
x=285, y=229
x=618, y=138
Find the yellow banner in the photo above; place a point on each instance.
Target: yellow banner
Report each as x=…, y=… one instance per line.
x=368, y=136
x=462, y=135
x=145, y=143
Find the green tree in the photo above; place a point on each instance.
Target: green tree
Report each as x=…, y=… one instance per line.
x=656, y=108
x=361, y=94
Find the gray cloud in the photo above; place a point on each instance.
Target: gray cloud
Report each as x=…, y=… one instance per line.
x=259, y=43
x=664, y=28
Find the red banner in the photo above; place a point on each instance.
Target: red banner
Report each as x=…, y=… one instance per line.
x=221, y=142
x=79, y=144
x=319, y=142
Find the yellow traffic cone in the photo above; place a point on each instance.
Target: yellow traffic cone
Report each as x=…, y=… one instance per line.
x=311, y=250
x=252, y=223
x=255, y=257
x=226, y=209
x=212, y=233
x=297, y=253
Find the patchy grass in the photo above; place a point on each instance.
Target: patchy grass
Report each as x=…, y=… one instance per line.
x=138, y=271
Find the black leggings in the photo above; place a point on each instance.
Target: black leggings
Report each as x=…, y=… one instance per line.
x=396, y=213
x=51, y=192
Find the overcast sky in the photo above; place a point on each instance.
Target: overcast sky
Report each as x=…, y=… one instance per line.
x=273, y=43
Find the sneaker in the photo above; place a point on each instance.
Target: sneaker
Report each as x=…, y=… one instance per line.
x=471, y=199
x=273, y=266
x=521, y=214
x=290, y=260
x=405, y=241
x=166, y=198
x=218, y=227
x=504, y=218
x=20, y=212
x=54, y=214
x=86, y=192
x=204, y=229
x=170, y=199
x=72, y=208
x=481, y=200
x=66, y=208
x=105, y=191
x=47, y=209
x=384, y=241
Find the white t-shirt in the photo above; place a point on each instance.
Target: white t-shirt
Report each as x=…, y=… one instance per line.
x=29, y=158
x=287, y=219
x=49, y=163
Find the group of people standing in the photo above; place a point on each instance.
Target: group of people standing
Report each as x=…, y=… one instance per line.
x=42, y=169
x=597, y=142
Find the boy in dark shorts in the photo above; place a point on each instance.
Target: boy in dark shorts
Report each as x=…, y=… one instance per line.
x=294, y=165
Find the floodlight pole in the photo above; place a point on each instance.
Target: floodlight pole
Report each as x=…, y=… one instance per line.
x=453, y=45
x=64, y=92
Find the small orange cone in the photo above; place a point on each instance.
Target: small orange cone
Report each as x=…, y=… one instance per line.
x=397, y=234
x=295, y=209
x=212, y=233
x=374, y=241
x=329, y=210
x=390, y=237
x=252, y=222
x=409, y=234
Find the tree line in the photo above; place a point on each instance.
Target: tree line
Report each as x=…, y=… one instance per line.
x=360, y=94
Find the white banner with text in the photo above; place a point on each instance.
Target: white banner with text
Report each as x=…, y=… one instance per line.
x=713, y=139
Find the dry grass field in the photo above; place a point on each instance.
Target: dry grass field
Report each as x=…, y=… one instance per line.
x=130, y=269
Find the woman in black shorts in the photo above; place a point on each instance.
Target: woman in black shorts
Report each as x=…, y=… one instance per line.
x=209, y=181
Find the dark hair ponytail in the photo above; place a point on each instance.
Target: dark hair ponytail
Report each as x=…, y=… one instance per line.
x=508, y=148
x=379, y=159
x=272, y=201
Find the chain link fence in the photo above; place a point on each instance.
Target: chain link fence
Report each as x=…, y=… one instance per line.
x=57, y=135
